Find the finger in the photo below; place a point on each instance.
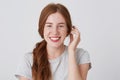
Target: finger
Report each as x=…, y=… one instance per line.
x=73, y=27
x=75, y=31
x=71, y=38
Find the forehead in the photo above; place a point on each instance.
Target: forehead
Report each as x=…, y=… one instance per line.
x=55, y=18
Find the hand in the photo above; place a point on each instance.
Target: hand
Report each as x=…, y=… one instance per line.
x=74, y=39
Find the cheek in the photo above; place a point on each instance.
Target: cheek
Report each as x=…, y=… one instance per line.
x=46, y=32
x=64, y=32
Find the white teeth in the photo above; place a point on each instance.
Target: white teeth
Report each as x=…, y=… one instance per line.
x=54, y=38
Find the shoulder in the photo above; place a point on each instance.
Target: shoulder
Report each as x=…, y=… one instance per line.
x=81, y=51
x=24, y=66
x=28, y=54
x=28, y=58
x=82, y=56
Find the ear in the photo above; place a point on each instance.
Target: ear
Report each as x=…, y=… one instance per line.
x=67, y=34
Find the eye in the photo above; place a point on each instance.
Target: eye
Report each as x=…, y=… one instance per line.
x=61, y=26
x=48, y=25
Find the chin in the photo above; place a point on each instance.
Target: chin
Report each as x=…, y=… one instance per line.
x=56, y=45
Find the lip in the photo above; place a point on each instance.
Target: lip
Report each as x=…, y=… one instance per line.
x=54, y=38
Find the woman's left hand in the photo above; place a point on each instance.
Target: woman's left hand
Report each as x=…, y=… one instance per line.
x=74, y=39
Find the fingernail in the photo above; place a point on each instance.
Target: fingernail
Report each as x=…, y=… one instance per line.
x=73, y=27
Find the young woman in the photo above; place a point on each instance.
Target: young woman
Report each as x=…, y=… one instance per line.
x=51, y=59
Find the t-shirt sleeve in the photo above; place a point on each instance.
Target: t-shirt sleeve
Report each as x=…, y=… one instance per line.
x=24, y=67
x=83, y=56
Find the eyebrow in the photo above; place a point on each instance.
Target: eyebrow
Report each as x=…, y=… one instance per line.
x=48, y=23
x=52, y=23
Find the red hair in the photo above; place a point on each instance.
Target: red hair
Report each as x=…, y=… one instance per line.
x=41, y=66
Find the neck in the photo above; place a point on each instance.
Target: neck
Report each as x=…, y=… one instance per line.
x=54, y=52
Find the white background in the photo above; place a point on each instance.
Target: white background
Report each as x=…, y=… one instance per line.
x=97, y=20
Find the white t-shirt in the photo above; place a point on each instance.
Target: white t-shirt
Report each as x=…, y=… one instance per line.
x=59, y=65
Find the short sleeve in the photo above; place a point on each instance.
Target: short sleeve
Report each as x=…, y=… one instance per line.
x=24, y=67
x=82, y=56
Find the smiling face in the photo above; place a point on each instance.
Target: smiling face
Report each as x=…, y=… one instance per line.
x=55, y=30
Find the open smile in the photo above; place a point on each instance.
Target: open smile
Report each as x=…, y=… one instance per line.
x=54, y=39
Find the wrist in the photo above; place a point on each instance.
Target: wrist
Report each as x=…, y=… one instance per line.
x=71, y=53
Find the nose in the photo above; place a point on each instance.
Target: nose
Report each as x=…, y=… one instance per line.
x=55, y=30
